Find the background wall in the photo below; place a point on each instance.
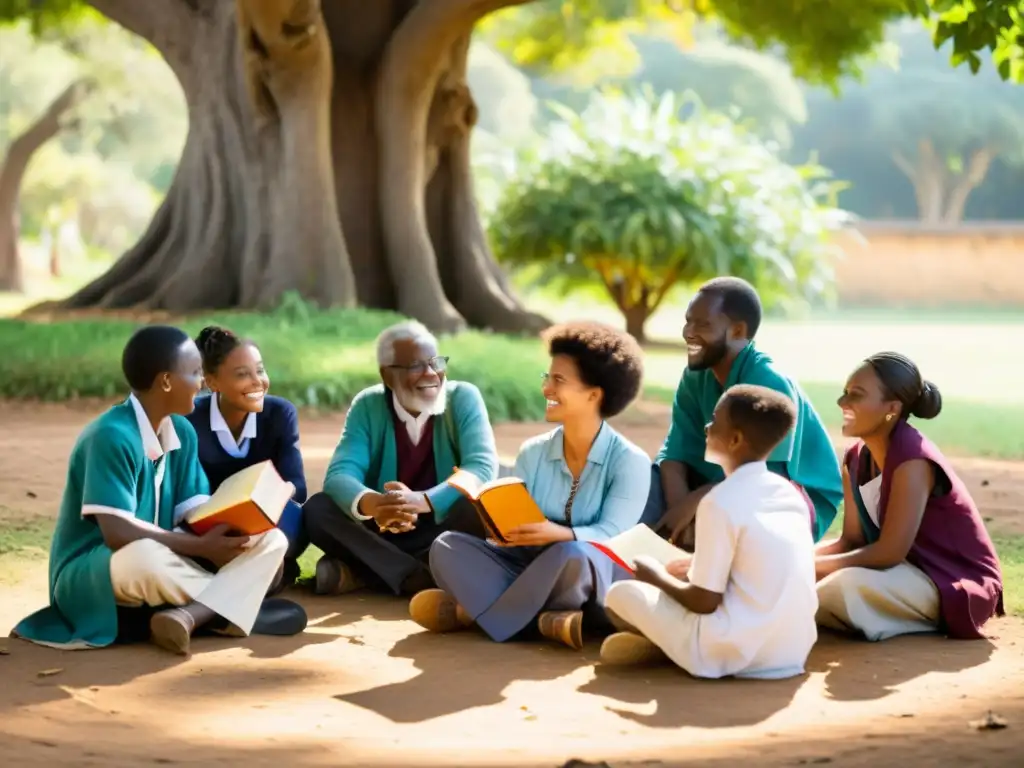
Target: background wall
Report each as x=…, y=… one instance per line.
x=906, y=264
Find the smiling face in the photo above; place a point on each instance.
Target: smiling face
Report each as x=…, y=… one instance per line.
x=866, y=408
x=417, y=377
x=709, y=332
x=241, y=380
x=182, y=384
x=566, y=394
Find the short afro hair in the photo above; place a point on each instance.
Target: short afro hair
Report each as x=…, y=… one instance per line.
x=151, y=350
x=763, y=416
x=606, y=357
x=740, y=302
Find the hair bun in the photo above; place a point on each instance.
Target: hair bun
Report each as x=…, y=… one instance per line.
x=213, y=336
x=929, y=403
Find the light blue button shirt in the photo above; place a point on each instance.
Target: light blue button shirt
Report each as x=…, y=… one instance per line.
x=613, y=487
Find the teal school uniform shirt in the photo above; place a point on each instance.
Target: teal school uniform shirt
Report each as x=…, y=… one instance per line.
x=806, y=455
x=613, y=487
x=115, y=468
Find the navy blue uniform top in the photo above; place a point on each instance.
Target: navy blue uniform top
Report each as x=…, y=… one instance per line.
x=270, y=434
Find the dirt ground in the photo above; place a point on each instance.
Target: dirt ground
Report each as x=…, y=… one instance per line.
x=365, y=686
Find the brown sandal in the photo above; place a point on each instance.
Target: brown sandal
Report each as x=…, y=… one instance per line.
x=564, y=627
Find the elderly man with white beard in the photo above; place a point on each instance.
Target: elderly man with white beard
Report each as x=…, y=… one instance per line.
x=385, y=496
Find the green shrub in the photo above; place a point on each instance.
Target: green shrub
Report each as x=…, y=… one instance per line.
x=318, y=359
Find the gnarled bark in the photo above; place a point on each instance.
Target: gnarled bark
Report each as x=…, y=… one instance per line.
x=328, y=153
x=251, y=213
x=12, y=172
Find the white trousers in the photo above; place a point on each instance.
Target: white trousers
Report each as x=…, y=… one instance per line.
x=146, y=572
x=879, y=604
x=711, y=646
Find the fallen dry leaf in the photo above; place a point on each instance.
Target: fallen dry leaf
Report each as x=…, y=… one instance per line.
x=49, y=672
x=991, y=722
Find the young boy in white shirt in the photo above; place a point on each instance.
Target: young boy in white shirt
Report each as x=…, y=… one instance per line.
x=744, y=604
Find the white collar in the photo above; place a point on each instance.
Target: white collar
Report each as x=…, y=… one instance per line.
x=408, y=418
x=750, y=468
x=217, y=423
x=155, y=444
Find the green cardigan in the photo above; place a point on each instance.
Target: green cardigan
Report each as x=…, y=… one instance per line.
x=366, y=456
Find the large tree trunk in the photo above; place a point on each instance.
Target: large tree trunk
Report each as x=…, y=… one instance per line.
x=12, y=171
x=327, y=154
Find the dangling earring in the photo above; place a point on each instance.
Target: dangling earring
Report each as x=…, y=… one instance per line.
x=888, y=417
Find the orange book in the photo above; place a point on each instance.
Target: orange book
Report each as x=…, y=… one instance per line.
x=503, y=504
x=249, y=502
x=640, y=540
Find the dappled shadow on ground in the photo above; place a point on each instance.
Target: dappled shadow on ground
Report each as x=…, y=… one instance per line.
x=460, y=671
x=856, y=670
x=683, y=701
x=35, y=674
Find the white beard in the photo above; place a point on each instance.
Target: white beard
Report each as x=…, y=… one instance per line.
x=413, y=402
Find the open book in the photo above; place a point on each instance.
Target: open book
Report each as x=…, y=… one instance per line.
x=503, y=504
x=249, y=502
x=640, y=540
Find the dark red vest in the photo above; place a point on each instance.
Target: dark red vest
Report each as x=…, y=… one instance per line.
x=415, y=462
x=952, y=545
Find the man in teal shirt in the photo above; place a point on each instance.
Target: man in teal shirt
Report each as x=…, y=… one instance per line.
x=721, y=322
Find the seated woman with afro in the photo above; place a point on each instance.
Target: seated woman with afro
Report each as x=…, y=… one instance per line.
x=591, y=484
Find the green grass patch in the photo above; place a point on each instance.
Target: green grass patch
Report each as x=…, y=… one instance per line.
x=23, y=536
x=317, y=359
x=1011, y=556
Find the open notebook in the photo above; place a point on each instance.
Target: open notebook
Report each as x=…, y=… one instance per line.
x=640, y=540
x=503, y=504
x=249, y=502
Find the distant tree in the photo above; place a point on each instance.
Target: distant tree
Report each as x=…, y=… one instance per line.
x=942, y=128
x=627, y=194
x=506, y=104
x=37, y=103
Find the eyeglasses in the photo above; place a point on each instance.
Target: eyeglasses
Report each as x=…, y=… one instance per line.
x=437, y=364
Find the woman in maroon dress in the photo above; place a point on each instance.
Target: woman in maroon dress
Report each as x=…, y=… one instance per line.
x=914, y=555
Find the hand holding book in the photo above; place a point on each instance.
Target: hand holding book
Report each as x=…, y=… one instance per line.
x=537, y=534
x=220, y=546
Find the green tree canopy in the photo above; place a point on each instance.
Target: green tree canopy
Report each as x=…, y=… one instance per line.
x=628, y=194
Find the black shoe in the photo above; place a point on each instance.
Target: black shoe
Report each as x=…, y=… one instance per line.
x=278, y=616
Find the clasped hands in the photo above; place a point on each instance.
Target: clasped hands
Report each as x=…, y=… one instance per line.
x=395, y=510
